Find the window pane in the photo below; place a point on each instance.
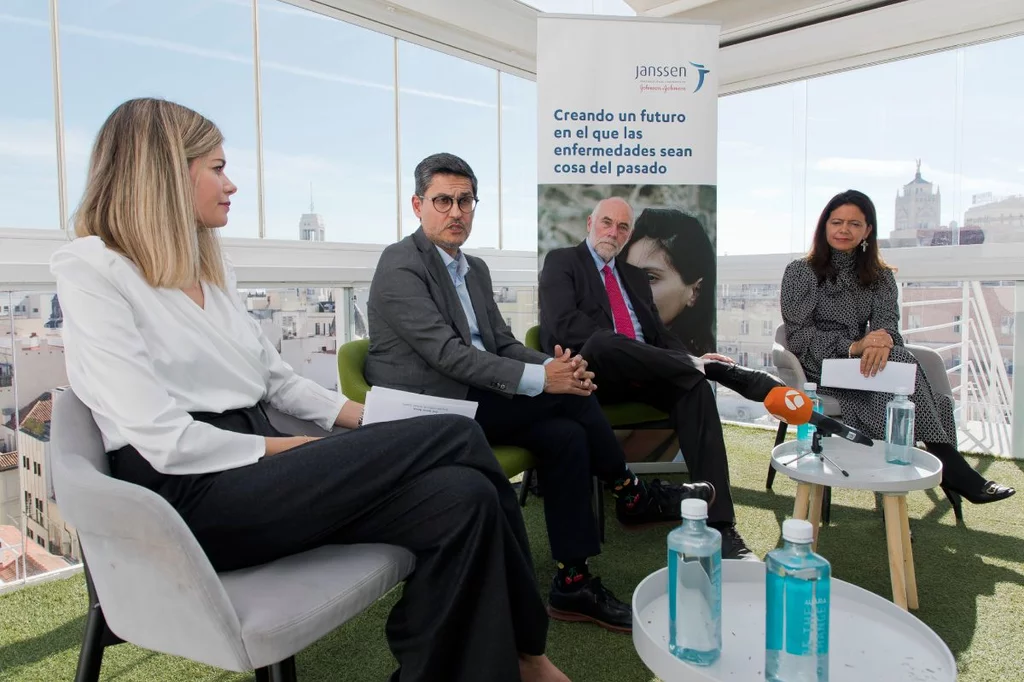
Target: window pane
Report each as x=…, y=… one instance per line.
x=300, y=322
x=36, y=350
x=195, y=53
x=328, y=127
x=518, y=163
x=747, y=316
x=450, y=105
x=518, y=307
x=28, y=145
x=866, y=128
x=756, y=169
x=991, y=197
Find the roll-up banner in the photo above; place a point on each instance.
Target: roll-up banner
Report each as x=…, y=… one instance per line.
x=628, y=109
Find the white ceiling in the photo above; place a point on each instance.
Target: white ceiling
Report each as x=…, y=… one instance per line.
x=764, y=41
x=740, y=18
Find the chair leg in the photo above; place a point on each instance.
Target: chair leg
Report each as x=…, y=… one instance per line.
x=958, y=503
x=282, y=671
x=780, y=437
x=826, y=505
x=524, y=490
x=90, y=658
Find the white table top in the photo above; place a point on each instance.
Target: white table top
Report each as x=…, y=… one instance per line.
x=866, y=465
x=870, y=638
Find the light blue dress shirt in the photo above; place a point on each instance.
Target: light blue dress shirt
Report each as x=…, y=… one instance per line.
x=532, y=381
x=599, y=262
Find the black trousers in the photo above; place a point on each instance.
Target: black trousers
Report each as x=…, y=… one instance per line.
x=572, y=441
x=629, y=370
x=429, y=484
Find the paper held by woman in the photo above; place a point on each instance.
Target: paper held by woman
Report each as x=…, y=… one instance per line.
x=842, y=373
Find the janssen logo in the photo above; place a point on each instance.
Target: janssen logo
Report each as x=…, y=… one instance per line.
x=667, y=73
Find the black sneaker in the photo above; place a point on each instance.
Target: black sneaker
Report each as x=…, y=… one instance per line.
x=733, y=546
x=658, y=501
x=592, y=602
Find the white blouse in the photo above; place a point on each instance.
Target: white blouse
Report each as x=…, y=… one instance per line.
x=143, y=358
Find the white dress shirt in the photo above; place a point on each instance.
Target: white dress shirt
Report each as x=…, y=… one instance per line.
x=599, y=262
x=143, y=358
x=531, y=383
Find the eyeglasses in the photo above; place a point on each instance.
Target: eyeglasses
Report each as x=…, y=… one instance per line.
x=443, y=203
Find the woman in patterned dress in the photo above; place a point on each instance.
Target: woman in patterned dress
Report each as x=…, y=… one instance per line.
x=840, y=301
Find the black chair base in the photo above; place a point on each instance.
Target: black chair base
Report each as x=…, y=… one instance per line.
x=283, y=671
x=96, y=638
x=780, y=437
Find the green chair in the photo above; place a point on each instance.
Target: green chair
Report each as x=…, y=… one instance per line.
x=352, y=359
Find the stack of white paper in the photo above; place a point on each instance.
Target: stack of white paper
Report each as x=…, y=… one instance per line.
x=841, y=373
x=387, y=404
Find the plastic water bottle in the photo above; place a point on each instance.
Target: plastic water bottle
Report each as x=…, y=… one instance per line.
x=695, y=587
x=797, y=594
x=805, y=432
x=899, y=428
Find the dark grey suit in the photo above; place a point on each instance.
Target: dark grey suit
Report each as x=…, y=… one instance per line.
x=419, y=334
x=420, y=341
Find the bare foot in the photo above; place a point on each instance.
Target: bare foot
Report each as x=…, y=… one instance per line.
x=539, y=669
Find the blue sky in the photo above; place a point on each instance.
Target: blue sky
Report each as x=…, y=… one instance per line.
x=328, y=121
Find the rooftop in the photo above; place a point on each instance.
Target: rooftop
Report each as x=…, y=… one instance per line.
x=8, y=460
x=38, y=560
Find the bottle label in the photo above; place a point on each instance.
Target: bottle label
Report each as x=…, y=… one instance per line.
x=797, y=615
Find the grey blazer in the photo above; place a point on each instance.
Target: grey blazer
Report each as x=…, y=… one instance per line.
x=419, y=334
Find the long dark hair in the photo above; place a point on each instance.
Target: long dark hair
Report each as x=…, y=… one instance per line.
x=689, y=250
x=868, y=262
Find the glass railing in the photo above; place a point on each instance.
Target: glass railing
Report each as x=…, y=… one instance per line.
x=969, y=323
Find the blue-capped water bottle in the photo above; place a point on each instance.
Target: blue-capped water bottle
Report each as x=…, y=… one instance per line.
x=695, y=587
x=797, y=583
x=805, y=432
x=899, y=428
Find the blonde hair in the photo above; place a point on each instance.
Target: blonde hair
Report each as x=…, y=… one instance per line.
x=139, y=197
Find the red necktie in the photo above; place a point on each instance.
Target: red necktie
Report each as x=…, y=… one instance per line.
x=620, y=313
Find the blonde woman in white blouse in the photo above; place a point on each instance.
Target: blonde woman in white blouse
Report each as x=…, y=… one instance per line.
x=160, y=348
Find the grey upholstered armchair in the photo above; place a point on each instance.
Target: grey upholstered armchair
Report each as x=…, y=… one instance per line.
x=151, y=584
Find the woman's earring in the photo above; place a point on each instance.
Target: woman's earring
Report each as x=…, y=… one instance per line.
x=864, y=246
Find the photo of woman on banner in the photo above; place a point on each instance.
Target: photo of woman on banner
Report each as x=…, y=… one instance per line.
x=674, y=250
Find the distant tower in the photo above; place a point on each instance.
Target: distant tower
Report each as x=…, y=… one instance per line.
x=311, y=225
x=917, y=206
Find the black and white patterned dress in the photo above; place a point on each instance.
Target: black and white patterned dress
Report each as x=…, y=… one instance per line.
x=822, y=320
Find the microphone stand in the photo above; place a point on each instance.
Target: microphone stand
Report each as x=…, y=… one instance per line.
x=817, y=449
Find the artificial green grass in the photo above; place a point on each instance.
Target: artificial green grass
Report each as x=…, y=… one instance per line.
x=970, y=581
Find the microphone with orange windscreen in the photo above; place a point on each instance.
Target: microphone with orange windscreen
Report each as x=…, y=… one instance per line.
x=794, y=407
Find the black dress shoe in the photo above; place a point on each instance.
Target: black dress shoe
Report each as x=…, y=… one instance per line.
x=733, y=546
x=593, y=603
x=658, y=501
x=990, y=492
x=752, y=384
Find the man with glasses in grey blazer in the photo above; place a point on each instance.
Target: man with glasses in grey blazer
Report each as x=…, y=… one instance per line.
x=435, y=329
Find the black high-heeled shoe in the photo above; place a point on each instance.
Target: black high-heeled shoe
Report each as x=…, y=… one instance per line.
x=957, y=503
x=990, y=492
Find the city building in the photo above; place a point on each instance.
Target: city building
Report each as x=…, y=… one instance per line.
x=918, y=213
x=1000, y=220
